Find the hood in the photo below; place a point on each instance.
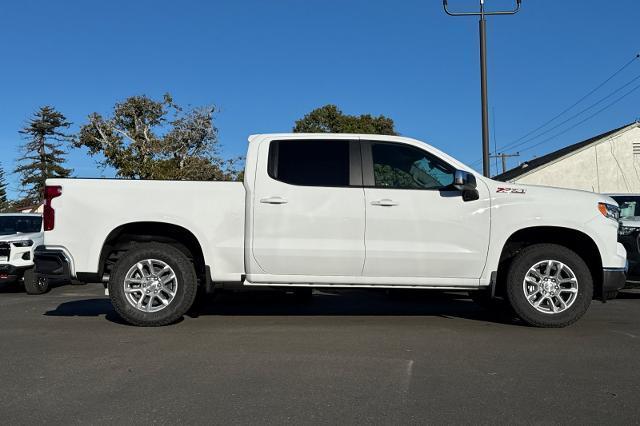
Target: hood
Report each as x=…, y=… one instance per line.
x=541, y=191
x=34, y=236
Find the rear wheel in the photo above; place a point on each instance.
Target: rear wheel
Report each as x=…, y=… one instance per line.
x=153, y=284
x=34, y=284
x=549, y=286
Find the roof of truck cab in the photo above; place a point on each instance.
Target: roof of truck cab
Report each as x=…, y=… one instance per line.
x=329, y=136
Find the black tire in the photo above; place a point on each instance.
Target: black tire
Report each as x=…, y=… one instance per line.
x=530, y=256
x=33, y=284
x=186, y=289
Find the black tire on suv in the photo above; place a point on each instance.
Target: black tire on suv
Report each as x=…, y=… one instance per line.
x=549, y=285
x=33, y=284
x=150, y=296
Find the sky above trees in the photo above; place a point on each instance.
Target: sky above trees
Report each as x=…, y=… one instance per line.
x=265, y=64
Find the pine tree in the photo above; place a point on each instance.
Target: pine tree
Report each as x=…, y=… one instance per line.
x=43, y=153
x=4, y=201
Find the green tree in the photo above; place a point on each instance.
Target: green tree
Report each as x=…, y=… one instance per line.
x=43, y=153
x=4, y=200
x=330, y=119
x=151, y=139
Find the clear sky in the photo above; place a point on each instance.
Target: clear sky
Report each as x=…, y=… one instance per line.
x=265, y=63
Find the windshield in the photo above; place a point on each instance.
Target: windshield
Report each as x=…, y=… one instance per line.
x=20, y=223
x=629, y=205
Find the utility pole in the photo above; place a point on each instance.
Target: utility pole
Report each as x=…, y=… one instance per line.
x=483, y=70
x=504, y=157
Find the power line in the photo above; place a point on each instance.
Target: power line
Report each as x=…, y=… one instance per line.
x=586, y=119
x=515, y=143
x=579, y=100
x=598, y=102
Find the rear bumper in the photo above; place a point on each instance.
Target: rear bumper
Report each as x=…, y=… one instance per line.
x=612, y=281
x=51, y=263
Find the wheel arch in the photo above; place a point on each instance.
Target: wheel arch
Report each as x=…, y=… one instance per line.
x=123, y=237
x=573, y=239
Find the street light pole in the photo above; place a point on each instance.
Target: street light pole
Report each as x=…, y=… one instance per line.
x=483, y=71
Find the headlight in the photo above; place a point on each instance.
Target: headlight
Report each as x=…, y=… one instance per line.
x=23, y=243
x=626, y=230
x=609, y=210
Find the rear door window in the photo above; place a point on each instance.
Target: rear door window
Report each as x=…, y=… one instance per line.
x=310, y=162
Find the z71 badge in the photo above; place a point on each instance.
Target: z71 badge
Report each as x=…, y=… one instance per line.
x=512, y=190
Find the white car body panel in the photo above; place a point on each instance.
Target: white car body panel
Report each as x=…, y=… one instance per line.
x=90, y=209
x=16, y=256
x=316, y=231
x=328, y=236
x=427, y=234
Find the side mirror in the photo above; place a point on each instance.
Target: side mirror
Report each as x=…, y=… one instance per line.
x=464, y=181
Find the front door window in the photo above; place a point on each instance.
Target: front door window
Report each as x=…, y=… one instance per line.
x=405, y=167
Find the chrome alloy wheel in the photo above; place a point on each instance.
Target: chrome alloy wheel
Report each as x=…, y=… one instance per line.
x=550, y=286
x=150, y=285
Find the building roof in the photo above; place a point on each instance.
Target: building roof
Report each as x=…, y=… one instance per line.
x=21, y=214
x=538, y=162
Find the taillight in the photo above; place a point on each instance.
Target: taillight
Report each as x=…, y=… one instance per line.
x=50, y=192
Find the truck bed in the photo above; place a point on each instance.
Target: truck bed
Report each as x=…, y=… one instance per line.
x=90, y=209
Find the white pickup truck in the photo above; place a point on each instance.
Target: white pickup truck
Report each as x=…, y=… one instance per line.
x=335, y=210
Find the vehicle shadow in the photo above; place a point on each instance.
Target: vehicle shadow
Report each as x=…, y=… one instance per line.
x=11, y=287
x=87, y=308
x=627, y=294
x=349, y=303
x=18, y=286
x=322, y=303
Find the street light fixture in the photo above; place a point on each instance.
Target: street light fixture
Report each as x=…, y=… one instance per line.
x=483, y=70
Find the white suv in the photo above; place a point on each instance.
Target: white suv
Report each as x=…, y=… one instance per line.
x=20, y=234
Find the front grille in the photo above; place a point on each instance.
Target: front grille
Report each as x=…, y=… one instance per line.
x=5, y=250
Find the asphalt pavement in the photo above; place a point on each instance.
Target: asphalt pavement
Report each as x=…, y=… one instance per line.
x=351, y=357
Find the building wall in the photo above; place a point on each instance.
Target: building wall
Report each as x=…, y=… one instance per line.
x=609, y=166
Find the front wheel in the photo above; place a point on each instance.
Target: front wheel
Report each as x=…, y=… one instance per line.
x=153, y=284
x=34, y=284
x=549, y=285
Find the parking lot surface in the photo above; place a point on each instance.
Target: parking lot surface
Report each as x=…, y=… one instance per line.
x=346, y=357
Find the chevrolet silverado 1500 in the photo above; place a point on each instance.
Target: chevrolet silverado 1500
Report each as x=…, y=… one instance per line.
x=335, y=210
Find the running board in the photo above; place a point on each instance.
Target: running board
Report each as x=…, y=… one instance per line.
x=342, y=285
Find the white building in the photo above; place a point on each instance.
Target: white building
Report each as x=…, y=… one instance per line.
x=607, y=163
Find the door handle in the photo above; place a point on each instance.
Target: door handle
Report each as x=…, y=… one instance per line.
x=385, y=202
x=273, y=200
